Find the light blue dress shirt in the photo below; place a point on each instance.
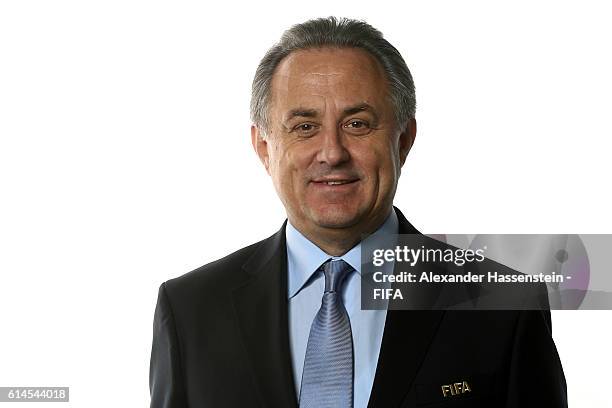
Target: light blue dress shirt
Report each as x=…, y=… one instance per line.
x=305, y=294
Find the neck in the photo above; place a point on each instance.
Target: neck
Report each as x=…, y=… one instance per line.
x=338, y=241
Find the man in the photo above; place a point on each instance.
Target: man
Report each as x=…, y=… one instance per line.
x=278, y=323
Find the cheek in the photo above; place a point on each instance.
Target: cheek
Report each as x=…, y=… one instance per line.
x=287, y=166
x=377, y=160
x=297, y=156
x=390, y=160
x=382, y=169
x=276, y=163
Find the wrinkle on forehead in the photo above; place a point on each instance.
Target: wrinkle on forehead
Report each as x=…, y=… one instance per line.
x=330, y=62
x=325, y=73
x=327, y=77
x=311, y=77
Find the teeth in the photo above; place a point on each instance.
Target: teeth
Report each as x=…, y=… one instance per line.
x=335, y=183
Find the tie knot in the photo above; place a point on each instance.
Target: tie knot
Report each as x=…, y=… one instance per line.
x=335, y=274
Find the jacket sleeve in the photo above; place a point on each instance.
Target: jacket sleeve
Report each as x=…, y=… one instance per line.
x=166, y=382
x=536, y=375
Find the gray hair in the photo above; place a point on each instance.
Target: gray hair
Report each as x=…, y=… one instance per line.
x=341, y=33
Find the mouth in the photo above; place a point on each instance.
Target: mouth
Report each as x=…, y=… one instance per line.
x=335, y=181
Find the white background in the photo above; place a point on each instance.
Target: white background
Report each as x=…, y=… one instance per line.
x=125, y=160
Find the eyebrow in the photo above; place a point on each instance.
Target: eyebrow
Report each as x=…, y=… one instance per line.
x=301, y=112
x=359, y=108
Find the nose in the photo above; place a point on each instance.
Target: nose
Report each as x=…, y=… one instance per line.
x=333, y=150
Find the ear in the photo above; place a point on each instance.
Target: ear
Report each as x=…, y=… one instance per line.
x=406, y=139
x=260, y=145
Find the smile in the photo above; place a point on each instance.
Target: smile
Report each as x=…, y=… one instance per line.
x=337, y=183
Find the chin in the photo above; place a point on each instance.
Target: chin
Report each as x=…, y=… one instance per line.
x=336, y=216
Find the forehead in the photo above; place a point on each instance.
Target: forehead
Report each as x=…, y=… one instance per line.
x=344, y=76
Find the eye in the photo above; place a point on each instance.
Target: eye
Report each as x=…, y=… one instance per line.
x=305, y=129
x=356, y=124
x=357, y=127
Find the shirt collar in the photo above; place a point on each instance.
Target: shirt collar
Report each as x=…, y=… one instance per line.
x=304, y=257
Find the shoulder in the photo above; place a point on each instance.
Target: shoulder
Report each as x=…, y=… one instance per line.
x=214, y=275
x=217, y=276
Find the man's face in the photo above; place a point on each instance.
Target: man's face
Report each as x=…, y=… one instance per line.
x=333, y=149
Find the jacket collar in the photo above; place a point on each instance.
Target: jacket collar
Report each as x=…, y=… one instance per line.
x=261, y=309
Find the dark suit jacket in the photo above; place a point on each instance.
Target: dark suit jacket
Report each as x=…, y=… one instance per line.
x=221, y=339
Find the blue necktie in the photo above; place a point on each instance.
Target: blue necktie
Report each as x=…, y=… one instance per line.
x=327, y=379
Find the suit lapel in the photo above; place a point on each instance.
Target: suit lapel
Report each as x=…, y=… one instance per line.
x=405, y=342
x=261, y=307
